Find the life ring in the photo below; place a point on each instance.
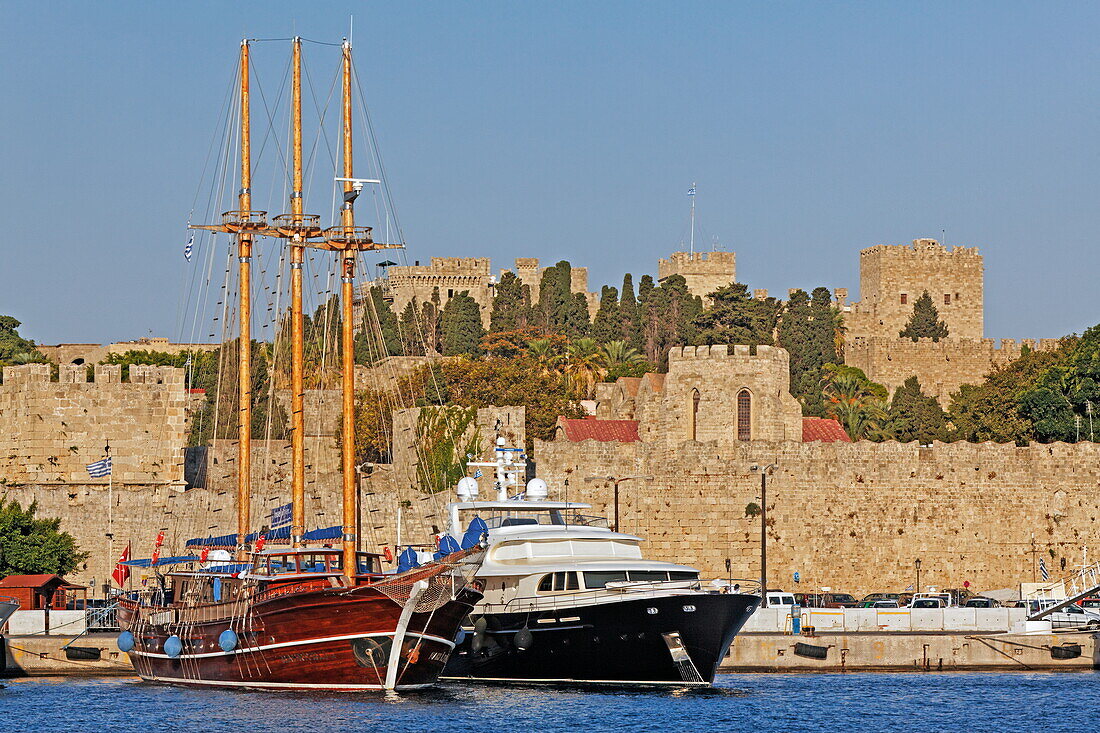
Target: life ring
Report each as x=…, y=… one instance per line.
x=479, y=585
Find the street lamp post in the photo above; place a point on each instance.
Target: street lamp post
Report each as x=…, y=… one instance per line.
x=916, y=564
x=615, y=482
x=764, y=528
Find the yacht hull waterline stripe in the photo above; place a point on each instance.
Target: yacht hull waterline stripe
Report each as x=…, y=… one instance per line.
x=280, y=685
x=253, y=649
x=567, y=681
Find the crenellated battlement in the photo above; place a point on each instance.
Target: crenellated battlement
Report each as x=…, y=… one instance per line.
x=723, y=351
x=704, y=272
x=920, y=248
x=34, y=375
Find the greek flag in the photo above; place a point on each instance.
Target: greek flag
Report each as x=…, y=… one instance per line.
x=909, y=588
x=189, y=248
x=478, y=473
x=99, y=469
x=1043, y=569
x=691, y=191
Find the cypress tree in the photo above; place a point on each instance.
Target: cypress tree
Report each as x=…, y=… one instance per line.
x=737, y=318
x=628, y=312
x=412, y=337
x=794, y=336
x=555, y=296
x=507, y=304
x=915, y=415
x=606, y=324
x=925, y=321
x=576, y=324
x=461, y=325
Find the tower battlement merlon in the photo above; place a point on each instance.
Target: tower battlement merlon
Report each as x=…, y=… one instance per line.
x=920, y=248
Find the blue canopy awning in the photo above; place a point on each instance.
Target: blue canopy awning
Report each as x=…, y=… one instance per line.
x=274, y=535
x=148, y=562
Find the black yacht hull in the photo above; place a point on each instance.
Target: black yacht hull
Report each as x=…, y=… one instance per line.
x=668, y=640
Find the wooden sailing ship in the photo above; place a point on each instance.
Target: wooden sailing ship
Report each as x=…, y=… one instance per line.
x=299, y=617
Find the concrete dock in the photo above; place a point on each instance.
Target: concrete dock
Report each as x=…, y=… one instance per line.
x=89, y=655
x=912, y=652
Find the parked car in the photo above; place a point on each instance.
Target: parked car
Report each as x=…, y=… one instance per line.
x=881, y=603
x=928, y=601
x=826, y=600
x=1089, y=603
x=902, y=599
x=981, y=602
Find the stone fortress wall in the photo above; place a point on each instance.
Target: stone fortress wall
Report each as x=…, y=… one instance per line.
x=851, y=516
x=95, y=353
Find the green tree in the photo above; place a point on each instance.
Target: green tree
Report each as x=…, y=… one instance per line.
x=31, y=546
x=14, y=349
x=461, y=326
x=409, y=327
x=630, y=318
x=495, y=381
x=925, y=321
x=555, y=307
x=607, y=324
x=510, y=305
x=735, y=317
x=991, y=410
x=1067, y=394
x=793, y=334
x=379, y=335
x=856, y=402
x=622, y=360
x=584, y=365
x=916, y=416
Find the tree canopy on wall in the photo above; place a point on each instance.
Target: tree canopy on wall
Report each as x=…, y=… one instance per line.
x=31, y=545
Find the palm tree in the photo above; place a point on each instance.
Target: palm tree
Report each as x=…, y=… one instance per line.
x=856, y=402
x=585, y=363
x=619, y=354
x=545, y=354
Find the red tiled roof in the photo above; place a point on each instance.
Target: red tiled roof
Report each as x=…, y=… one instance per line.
x=29, y=581
x=656, y=381
x=630, y=385
x=620, y=431
x=824, y=429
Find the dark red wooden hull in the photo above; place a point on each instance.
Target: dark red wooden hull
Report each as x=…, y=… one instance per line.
x=311, y=638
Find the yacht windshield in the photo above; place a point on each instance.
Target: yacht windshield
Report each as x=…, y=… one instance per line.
x=521, y=517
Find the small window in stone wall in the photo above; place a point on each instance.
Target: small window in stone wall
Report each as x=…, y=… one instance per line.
x=904, y=298
x=744, y=415
x=956, y=296
x=947, y=298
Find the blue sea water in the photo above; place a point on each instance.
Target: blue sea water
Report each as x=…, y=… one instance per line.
x=1050, y=702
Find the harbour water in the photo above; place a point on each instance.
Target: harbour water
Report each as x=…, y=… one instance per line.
x=772, y=702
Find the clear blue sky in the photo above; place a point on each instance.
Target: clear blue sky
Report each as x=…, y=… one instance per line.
x=572, y=130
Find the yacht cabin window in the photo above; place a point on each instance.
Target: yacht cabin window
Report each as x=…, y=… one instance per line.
x=553, y=582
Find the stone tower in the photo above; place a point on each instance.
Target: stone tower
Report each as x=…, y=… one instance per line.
x=891, y=278
x=705, y=272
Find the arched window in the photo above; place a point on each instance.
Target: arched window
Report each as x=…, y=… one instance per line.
x=744, y=415
x=693, y=415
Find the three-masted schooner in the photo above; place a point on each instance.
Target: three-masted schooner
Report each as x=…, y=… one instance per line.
x=299, y=617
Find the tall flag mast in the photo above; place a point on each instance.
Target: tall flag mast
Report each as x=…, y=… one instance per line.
x=691, y=193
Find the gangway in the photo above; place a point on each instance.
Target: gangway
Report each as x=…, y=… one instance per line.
x=1082, y=584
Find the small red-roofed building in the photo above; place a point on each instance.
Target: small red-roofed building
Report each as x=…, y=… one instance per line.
x=824, y=429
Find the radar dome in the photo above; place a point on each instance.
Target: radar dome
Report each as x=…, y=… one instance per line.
x=467, y=488
x=536, y=489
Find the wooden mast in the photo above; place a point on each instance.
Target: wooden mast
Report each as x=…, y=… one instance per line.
x=244, y=351
x=297, y=350
x=347, y=346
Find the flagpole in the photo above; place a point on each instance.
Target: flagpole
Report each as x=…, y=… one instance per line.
x=110, y=505
x=692, y=218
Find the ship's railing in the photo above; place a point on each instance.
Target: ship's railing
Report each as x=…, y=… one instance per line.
x=594, y=596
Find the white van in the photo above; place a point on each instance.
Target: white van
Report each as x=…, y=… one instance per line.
x=780, y=599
